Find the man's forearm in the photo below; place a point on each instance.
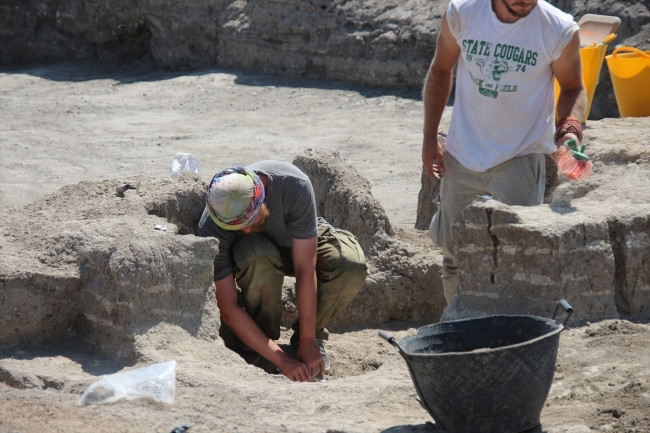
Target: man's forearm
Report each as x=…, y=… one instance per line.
x=306, y=297
x=572, y=103
x=242, y=324
x=435, y=95
x=304, y=264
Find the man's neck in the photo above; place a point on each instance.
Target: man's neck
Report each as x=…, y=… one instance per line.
x=503, y=14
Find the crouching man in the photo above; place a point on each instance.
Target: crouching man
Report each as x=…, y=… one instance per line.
x=264, y=216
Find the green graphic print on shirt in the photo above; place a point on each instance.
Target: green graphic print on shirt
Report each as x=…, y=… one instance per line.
x=494, y=61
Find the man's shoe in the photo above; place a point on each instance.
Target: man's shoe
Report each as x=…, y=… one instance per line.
x=323, y=354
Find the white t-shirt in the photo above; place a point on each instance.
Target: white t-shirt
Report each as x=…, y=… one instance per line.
x=504, y=103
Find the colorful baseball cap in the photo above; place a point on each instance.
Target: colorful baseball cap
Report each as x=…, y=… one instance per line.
x=234, y=198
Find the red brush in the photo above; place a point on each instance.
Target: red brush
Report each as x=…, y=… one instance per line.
x=572, y=162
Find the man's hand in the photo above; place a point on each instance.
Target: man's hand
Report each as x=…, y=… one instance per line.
x=295, y=369
x=307, y=365
x=309, y=353
x=432, y=158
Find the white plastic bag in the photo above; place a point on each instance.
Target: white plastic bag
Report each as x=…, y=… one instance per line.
x=183, y=162
x=157, y=382
x=434, y=226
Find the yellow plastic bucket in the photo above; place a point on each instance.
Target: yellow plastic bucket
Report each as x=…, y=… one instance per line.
x=592, y=60
x=630, y=73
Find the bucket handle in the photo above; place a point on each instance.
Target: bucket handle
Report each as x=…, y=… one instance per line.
x=632, y=49
x=567, y=308
x=386, y=336
x=609, y=38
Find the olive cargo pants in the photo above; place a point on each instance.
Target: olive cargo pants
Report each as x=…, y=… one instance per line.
x=260, y=268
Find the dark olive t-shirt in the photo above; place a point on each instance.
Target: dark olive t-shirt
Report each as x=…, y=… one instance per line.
x=289, y=196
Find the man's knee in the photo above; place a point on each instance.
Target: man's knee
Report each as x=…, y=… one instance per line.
x=255, y=249
x=339, y=254
x=353, y=278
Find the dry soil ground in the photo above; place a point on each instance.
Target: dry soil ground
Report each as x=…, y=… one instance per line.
x=71, y=122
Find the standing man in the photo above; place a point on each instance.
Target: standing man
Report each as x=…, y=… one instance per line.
x=507, y=54
x=264, y=216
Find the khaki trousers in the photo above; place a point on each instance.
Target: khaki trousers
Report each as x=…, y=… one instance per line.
x=519, y=181
x=260, y=268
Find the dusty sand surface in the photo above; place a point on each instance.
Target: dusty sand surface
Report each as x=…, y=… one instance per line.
x=65, y=123
x=81, y=121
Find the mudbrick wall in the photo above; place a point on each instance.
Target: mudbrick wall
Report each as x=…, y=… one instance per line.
x=91, y=263
x=86, y=261
x=528, y=258
x=371, y=42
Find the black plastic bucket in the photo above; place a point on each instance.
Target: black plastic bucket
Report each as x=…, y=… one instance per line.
x=484, y=375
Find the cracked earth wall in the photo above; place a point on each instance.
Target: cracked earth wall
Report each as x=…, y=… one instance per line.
x=599, y=265
x=89, y=263
x=589, y=243
x=86, y=262
x=372, y=42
